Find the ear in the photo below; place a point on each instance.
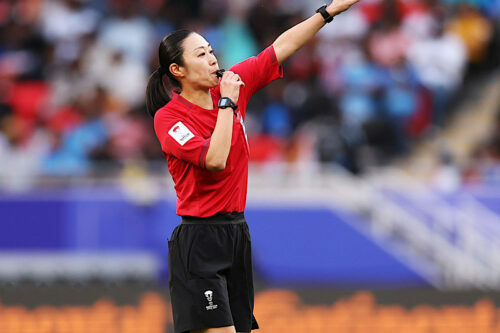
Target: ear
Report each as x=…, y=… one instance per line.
x=176, y=70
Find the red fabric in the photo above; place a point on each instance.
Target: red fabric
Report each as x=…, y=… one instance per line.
x=422, y=118
x=201, y=192
x=64, y=119
x=27, y=98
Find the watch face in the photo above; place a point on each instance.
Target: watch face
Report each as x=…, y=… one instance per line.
x=224, y=103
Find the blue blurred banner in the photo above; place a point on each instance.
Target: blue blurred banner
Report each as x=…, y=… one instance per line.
x=291, y=246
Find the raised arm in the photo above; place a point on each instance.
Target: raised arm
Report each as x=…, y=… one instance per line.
x=294, y=38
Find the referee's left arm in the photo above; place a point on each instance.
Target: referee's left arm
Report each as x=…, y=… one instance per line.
x=294, y=38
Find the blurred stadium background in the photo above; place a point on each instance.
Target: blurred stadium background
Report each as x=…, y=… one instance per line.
x=374, y=199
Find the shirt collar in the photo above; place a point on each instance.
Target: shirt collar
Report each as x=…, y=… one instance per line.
x=176, y=96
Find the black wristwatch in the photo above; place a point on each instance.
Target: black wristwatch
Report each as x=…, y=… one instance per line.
x=326, y=16
x=226, y=102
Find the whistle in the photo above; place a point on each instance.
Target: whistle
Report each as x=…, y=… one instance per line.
x=220, y=72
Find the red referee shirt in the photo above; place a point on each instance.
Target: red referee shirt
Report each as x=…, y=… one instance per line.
x=184, y=132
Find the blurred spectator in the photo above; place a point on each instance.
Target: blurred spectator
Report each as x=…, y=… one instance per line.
x=128, y=32
x=64, y=22
x=22, y=51
x=127, y=136
x=238, y=44
x=389, y=43
x=361, y=81
x=69, y=82
x=474, y=30
x=420, y=23
x=439, y=61
x=71, y=149
x=125, y=80
x=351, y=24
x=400, y=101
x=20, y=157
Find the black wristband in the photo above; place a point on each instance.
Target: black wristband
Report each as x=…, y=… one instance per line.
x=326, y=16
x=226, y=102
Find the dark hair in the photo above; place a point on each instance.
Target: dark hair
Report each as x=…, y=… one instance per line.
x=169, y=52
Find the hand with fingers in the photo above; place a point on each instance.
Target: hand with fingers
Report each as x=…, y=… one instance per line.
x=230, y=85
x=338, y=6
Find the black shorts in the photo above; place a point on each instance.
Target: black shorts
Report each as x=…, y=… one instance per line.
x=210, y=273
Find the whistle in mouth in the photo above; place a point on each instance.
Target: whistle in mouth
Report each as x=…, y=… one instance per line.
x=220, y=72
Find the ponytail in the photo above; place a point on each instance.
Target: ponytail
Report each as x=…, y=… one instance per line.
x=156, y=94
x=170, y=52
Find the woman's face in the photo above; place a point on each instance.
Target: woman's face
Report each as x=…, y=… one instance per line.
x=200, y=63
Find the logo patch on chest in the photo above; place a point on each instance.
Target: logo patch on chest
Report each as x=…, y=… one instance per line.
x=181, y=133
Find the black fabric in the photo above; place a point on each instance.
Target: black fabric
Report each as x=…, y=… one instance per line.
x=225, y=218
x=210, y=273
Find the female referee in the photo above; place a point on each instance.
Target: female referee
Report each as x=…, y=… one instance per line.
x=202, y=134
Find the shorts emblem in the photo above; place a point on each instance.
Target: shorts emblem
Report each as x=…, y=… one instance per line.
x=209, y=295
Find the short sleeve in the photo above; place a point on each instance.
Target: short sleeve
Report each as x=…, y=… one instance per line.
x=259, y=71
x=178, y=138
